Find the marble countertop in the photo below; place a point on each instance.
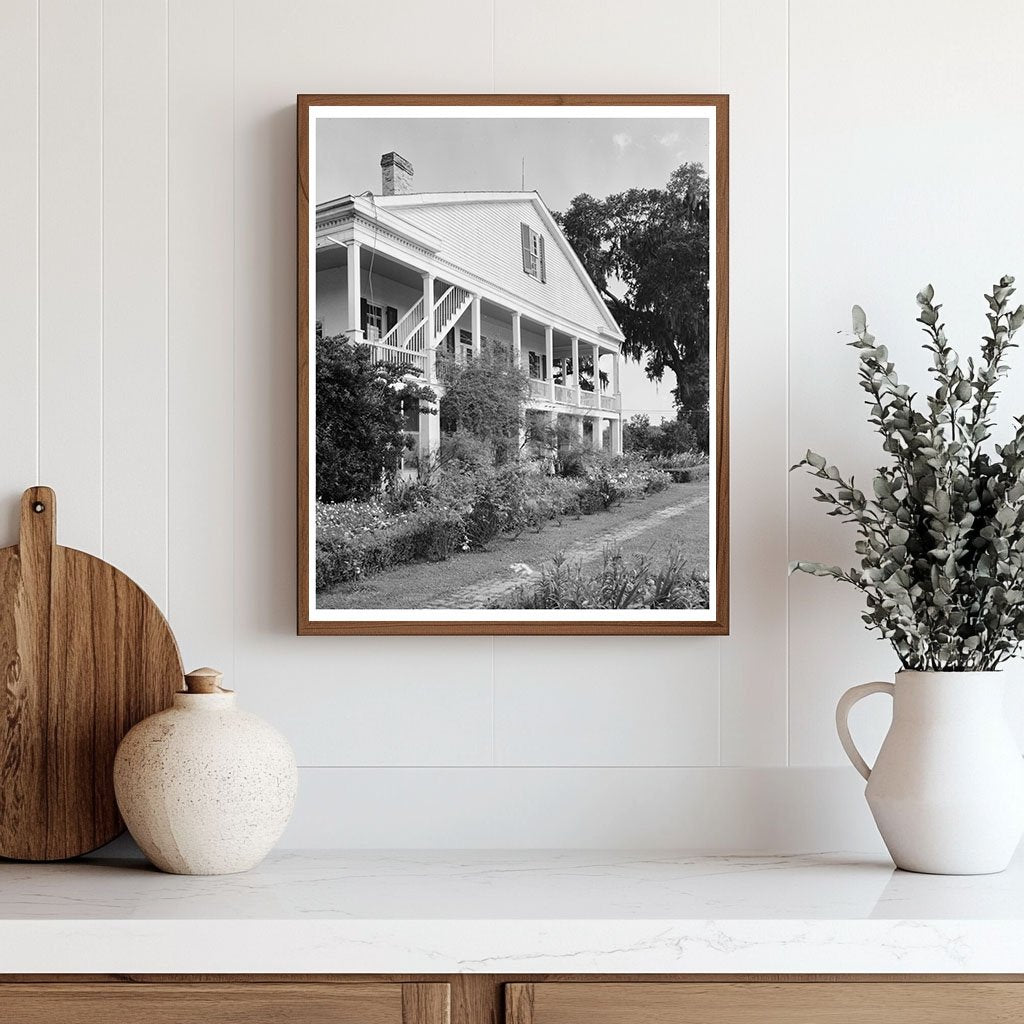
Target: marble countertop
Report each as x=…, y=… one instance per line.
x=510, y=912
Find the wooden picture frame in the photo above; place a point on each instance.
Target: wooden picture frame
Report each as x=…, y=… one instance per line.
x=315, y=621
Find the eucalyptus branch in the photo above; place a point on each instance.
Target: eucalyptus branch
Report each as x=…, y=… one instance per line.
x=941, y=538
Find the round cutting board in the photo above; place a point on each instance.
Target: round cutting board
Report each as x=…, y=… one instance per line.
x=84, y=655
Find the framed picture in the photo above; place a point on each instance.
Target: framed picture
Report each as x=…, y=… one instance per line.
x=512, y=364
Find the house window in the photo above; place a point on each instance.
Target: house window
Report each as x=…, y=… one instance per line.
x=374, y=321
x=538, y=366
x=533, y=253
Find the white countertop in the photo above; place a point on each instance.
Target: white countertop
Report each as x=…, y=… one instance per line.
x=490, y=912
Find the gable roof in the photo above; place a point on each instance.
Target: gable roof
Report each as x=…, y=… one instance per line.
x=461, y=219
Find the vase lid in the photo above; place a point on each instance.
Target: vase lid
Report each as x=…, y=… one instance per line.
x=204, y=681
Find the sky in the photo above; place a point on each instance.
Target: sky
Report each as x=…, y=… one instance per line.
x=558, y=157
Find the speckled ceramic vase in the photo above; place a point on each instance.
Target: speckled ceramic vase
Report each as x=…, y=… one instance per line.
x=205, y=789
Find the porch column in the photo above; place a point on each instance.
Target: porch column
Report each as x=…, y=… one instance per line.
x=576, y=373
x=616, y=357
x=549, y=348
x=428, y=304
x=355, y=331
x=597, y=375
x=475, y=325
x=430, y=438
x=617, y=436
x=579, y=420
x=428, y=328
x=598, y=433
x=517, y=340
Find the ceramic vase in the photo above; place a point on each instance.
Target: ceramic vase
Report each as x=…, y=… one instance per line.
x=947, y=788
x=204, y=788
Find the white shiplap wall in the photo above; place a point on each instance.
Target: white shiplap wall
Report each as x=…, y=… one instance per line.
x=147, y=282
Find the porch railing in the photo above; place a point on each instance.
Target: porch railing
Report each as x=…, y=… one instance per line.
x=446, y=307
x=567, y=396
x=538, y=388
x=588, y=399
x=408, y=332
x=611, y=402
x=395, y=355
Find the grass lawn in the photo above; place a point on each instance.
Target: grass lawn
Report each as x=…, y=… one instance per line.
x=651, y=524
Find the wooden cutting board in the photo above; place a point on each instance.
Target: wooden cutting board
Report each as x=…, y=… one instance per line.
x=84, y=655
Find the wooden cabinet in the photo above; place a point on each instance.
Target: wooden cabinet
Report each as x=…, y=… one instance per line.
x=230, y=1003
x=494, y=999
x=793, y=1002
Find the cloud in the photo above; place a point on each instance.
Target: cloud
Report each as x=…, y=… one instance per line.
x=670, y=139
x=622, y=141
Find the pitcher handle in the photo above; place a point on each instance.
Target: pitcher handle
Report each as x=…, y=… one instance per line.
x=846, y=702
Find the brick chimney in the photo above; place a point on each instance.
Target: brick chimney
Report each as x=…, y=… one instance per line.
x=395, y=174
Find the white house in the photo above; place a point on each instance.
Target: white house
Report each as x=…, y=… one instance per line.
x=424, y=277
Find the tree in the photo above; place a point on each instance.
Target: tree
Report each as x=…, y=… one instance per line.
x=361, y=408
x=638, y=434
x=672, y=437
x=484, y=397
x=653, y=245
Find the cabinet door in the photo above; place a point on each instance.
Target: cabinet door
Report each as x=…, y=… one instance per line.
x=866, y=1002
x=241, y=1003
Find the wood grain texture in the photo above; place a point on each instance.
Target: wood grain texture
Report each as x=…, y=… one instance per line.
x=206, y=1004
x=476, y=999
x=720, y=624
x=765, y=1003
x=426, y=1004
x=85, y=654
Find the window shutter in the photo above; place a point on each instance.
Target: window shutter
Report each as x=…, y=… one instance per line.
x=392, y=318
x=362, y=315
x=527, y=255
x=543, y=267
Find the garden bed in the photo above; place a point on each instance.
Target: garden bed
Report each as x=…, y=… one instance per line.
x=462, y=510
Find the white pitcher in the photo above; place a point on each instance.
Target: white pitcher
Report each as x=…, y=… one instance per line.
x=947, y=789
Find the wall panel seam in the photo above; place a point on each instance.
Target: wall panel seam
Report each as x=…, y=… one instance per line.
x=234, y=335
x=38, y=371
x=103, y=281
x=789, y=553
x=167, y=309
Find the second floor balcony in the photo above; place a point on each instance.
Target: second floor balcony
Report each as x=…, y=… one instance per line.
x=574, y=398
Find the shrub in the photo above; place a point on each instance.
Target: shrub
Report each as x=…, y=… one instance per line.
x=484, y=398
x=431, y=534
x=600, y=492
x=466, y=450
x=359, y=419
x=686, y=434
x=483, y=523
x=679, y=460
x=619, y=582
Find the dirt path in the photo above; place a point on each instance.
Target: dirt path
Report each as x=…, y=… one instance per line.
x=677, y=515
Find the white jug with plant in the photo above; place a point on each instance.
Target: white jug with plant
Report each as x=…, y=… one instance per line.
x=941, y=546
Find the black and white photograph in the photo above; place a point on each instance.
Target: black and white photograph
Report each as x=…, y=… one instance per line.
x=513, y=382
